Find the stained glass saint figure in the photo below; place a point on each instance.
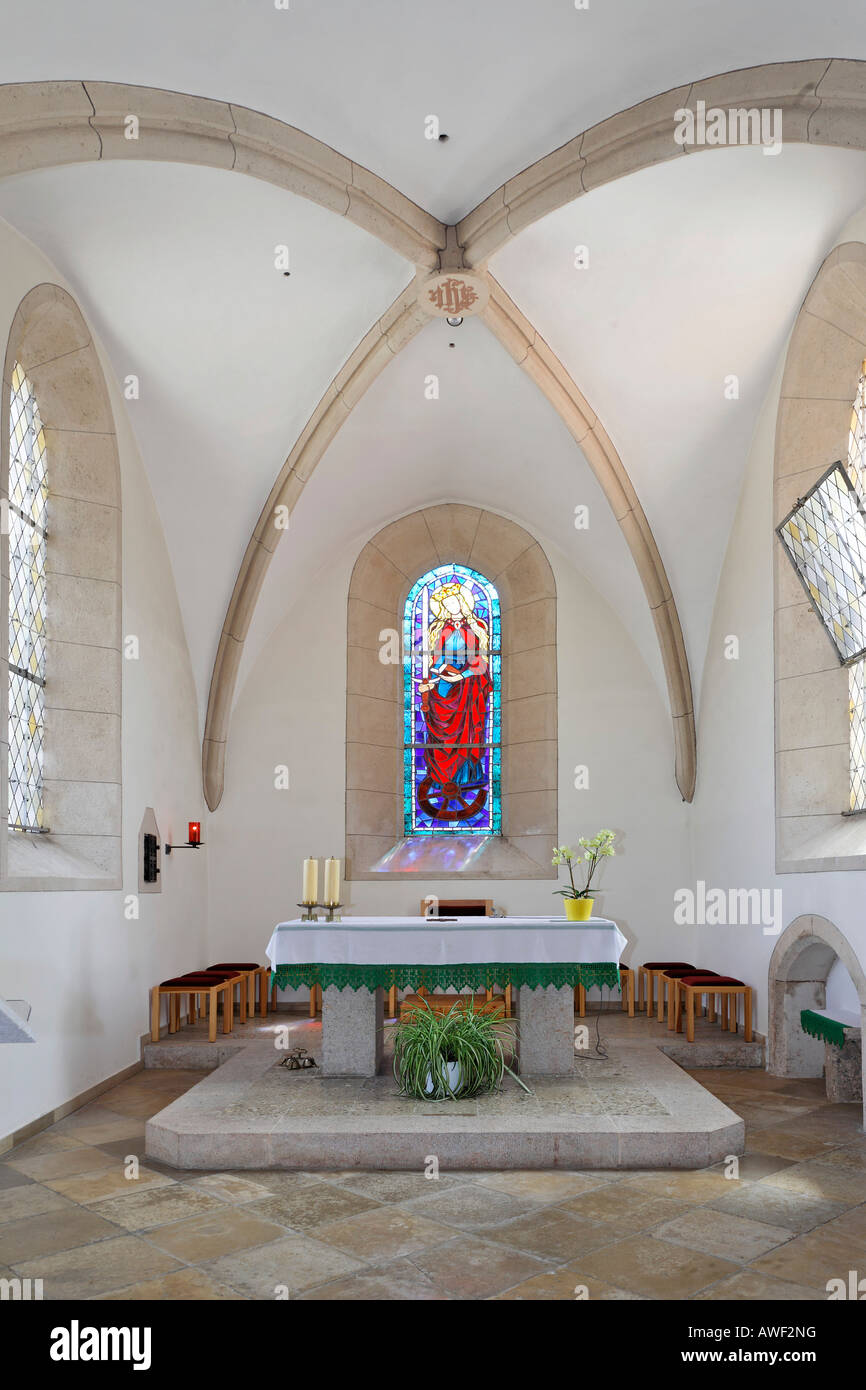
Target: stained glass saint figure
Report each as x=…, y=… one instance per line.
x=452, y=703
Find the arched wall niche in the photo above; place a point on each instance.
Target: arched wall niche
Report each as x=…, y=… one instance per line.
x=81, y=848
x=387, y=567
x=799, y=967
x=822, y=369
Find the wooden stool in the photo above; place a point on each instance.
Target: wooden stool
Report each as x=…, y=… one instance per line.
x=727, y=988
x=626, y=984
x=237, y=978
x=669, y=977
x=646, y=975
x=193, y=985
x=252, y=972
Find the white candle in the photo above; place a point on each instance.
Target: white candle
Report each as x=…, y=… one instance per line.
x=332, y=882
x=310, y=894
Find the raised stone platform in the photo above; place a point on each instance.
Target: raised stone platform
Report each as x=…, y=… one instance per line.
x=637, y=1109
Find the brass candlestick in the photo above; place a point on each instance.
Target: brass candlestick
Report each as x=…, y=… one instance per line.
x=330, y=908
x=307, y=914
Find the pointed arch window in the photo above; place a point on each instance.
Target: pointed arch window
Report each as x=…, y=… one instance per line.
x=28, y=493
x=451, y=704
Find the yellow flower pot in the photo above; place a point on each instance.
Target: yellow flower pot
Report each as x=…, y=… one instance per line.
x=578, y=909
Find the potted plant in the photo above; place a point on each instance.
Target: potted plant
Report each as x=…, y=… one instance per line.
x=579, y=900
x=452, y=1055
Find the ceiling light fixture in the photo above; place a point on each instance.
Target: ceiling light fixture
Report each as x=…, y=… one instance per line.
x=454, y=322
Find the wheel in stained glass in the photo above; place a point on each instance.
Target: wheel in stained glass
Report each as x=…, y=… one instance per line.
x=451, y=704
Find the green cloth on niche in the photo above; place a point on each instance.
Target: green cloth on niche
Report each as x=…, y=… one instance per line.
x=447, y=976
x=817, y=1026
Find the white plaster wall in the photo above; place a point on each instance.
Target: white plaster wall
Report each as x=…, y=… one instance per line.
x=733, y=811
x=86, y=969
x=291, y=710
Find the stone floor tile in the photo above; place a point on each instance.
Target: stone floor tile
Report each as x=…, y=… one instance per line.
x=10, y=1177
x=44, y=1143
x=97, y=1268
x=397, y=1187
x=552, y=1234
x=184, y=1285
x=759, y=1202
x=32, y=1199
x=625, y=1212
x=477, y=1268
x=230, y=1187
x=215, y=1233
x=401, y=1280
x=97, y=1187
x=567, y=1283
x=159, y=1206
x=468, y=1206
x=63, y=1163
x=383, y=1234
x=691, y=1185
x=814, y=1258
x=53, y=1231
x=293, y=1262
x=780, y=1141
x=749, y=1286
x=751, y=1167
x=722, y=1233
x=824, y=1181
x=655, y=1268
x=311, y=1206
x=537, y=1185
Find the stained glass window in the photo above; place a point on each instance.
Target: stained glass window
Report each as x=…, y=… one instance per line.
x=451, y=704
x=825, y=537
x=27, y=499
x=857, y=672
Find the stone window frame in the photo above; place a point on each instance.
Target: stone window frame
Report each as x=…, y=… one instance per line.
x=384, y=572
x=81, y=848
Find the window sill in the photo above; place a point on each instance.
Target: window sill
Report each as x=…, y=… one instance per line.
x=40, y=864
x=428, y=858
x=820, y=844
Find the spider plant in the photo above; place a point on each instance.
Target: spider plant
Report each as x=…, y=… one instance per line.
x=470, y=1037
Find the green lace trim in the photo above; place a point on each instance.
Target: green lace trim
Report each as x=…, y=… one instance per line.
x=817, y=1026
x=456, y=977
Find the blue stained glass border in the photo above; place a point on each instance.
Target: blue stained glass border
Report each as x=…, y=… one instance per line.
x=414, y=820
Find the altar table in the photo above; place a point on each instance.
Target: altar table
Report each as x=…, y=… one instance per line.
x=356, y=959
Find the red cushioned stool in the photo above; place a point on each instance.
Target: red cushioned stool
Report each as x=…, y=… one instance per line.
x=667, y=978
x=252, y=971
x=728, y=989
x=646, y=975
x=193, y=985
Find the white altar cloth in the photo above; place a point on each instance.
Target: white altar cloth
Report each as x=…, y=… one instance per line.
x=445, y=941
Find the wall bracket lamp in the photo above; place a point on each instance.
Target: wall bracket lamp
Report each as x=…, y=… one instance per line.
x=194, y=841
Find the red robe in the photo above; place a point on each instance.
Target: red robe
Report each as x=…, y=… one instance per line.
x=456, y=713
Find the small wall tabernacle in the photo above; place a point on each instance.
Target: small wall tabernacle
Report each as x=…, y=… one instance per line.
x=383, y=574
x=799, y=967
x=82, y=759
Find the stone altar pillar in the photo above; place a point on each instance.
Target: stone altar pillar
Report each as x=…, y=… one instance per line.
x=843, y=1068
x=545, y=1036
x=352, y=1030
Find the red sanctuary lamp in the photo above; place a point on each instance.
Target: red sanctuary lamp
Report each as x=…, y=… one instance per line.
x=194, y=840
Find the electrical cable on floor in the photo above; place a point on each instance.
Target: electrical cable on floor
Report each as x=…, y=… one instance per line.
x=600, y=1047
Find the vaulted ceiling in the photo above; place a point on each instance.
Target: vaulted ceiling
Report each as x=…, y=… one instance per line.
x=697, y=267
